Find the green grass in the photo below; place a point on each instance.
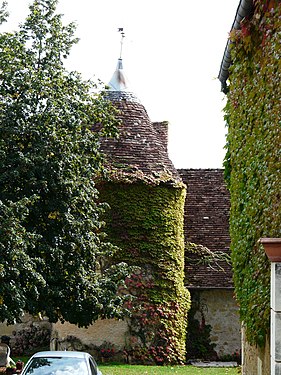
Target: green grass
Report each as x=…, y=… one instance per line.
x=108, y=369
x=164, y=370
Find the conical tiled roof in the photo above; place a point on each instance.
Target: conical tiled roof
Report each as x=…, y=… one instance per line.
x=140, y=152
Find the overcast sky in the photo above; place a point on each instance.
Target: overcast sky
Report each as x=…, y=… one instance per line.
x=171, y=54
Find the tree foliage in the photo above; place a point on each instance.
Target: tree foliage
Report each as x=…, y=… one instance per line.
x=51, y=232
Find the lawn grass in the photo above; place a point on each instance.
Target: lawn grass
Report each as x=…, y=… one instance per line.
x=164, y=370
x=108, y=369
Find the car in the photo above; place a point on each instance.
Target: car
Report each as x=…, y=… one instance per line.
x=61, y=363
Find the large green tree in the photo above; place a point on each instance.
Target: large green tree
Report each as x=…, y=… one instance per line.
x=51, y=232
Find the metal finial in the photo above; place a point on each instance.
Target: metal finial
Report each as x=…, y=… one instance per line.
x=121, y=31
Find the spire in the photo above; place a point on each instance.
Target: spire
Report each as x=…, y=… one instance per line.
x=119, y=81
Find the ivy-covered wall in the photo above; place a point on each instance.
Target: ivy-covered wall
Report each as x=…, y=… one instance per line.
x=146, y=222
x=253, y=160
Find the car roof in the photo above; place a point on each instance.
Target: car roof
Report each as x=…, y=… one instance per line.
x=71, y=354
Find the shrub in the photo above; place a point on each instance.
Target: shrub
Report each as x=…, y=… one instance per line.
x=29, y=340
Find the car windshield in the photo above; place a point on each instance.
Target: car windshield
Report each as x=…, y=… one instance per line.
x=57, y=366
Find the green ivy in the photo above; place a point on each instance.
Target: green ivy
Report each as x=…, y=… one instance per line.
x=253, y=160
x=146, y=222
x=152, y=337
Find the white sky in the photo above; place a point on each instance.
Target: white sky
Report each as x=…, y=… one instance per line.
x=171, y=54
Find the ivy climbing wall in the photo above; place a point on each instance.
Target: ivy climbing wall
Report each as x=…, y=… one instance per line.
x=253, y=160
x=146, y=222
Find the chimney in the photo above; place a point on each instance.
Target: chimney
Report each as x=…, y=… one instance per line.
x=161, y=129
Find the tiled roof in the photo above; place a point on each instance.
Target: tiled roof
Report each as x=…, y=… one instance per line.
x=140, y=152
x=206, y=223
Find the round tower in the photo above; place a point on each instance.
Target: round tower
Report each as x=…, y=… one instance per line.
x=146, y=197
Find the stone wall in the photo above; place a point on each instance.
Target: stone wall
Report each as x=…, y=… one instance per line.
x=27, y=337
x=109, y=330
x=27, y=320
x=255, y=360
x=222, y=313
x=69, y=336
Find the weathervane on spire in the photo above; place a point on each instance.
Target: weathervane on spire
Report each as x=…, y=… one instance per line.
x=118, y=81
x=121, y=31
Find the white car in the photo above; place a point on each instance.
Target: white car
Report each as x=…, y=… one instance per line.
x=61, y=363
